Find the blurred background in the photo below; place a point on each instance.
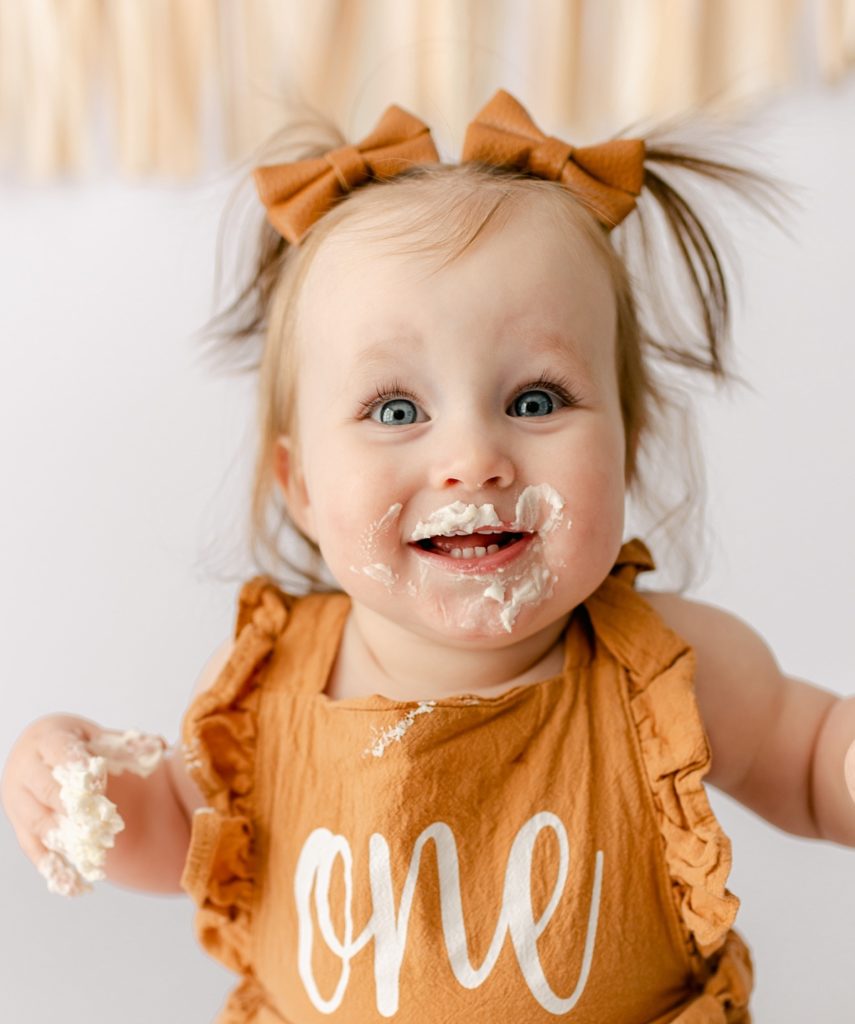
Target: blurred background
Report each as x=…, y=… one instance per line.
x=125, y=127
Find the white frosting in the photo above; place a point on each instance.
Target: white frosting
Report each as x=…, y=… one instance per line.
x=527, y=514
x=369, y=539
x=456, y=518
x=472, y=608
x=539, y=509
x=390, y=514
x=375, y=570
x=459, y=519
x=379, y=572
x=61, y=877
x=88, y=828
x=530, y=588
x=129, y=751
x=79, y=842
x=394, y=733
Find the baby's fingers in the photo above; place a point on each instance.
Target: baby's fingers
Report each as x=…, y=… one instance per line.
x=62, y=742
x=34, y=823
x=43, y=787
x=53, y=748
x=31, y=821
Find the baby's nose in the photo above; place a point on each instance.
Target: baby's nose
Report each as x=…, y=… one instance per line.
x=472, y=461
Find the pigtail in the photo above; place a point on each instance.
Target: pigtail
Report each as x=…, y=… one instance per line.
x=675, y=313
x=251, y=251
x=254, y=292
x=688, y=264
x=246, y=316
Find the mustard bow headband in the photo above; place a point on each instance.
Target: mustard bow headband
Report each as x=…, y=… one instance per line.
x=605, y=178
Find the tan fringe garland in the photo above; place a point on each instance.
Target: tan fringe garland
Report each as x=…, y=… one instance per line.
x=836, y=37
x=160, y=56
x=49, y=51
x=169, y=81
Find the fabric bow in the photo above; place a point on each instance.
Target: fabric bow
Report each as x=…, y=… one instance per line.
x=297, y=194
x=606, y=178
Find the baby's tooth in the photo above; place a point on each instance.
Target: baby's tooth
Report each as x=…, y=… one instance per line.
x=492, y=549
x=480, y=551
x=456, y=553
x=468, y=552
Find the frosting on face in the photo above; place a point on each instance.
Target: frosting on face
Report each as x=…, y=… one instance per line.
x=530, y=589
x=539, y=509
x=479, y=602
x=456, y=518
x=377, y=570
x=529, y=505
x=465, y=519
x=488, y=602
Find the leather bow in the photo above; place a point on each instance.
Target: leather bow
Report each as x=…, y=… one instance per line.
x=606, y=178
x=297, y=194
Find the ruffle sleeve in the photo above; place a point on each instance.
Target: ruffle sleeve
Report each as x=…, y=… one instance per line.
x=219, y=738
x=675, y=753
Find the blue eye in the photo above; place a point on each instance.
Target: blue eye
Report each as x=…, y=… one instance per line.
x=532, y=403
x=397, y=410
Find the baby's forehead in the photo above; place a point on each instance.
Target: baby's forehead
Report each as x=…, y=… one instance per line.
x=525, y=282
x=414, y=244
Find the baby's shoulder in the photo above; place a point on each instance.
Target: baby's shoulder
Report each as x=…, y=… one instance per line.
x=712, y=631
x=738, y=682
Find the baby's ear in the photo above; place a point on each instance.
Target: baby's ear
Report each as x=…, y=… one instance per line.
x=289, y=475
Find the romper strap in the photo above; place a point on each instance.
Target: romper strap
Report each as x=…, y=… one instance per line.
x=633, y=558
x=219, y=733
x=658, y=668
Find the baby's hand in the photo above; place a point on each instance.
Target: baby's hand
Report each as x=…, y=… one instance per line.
x=53, y=792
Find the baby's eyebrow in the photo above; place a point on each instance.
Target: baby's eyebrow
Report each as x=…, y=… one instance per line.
x=395, y=351
x=391, y=352
x=561, y=346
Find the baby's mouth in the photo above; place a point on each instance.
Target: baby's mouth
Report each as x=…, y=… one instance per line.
x=471, y=545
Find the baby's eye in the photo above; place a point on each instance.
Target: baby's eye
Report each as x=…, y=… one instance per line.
x=532, y=403
x=396, y=410
x=393, y=403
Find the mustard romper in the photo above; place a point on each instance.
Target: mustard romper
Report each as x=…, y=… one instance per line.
x=547, y=854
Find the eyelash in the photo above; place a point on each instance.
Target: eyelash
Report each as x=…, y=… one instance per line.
x=384, y=394
x=558, y=385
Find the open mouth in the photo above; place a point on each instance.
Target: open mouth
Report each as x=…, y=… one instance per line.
x=472, y=545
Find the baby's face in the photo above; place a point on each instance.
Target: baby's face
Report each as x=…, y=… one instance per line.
x=480, y=401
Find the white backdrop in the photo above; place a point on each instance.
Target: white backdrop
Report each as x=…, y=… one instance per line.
x=123, y=458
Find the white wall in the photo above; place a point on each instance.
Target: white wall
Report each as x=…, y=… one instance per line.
x=122, y=456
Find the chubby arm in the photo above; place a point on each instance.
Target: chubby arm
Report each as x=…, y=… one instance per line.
x=779, y=745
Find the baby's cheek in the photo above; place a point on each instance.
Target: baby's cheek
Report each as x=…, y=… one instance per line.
x=361, y=531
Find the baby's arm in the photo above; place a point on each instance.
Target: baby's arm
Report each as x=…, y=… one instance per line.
x=149, y=852
x=779, y=745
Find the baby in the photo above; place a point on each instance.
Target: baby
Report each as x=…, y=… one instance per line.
x=467, y=781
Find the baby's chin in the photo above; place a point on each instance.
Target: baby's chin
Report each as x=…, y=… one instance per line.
x=464, y=608
x=463, y=621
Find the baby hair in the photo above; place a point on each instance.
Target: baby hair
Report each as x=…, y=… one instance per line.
x=672, y=292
